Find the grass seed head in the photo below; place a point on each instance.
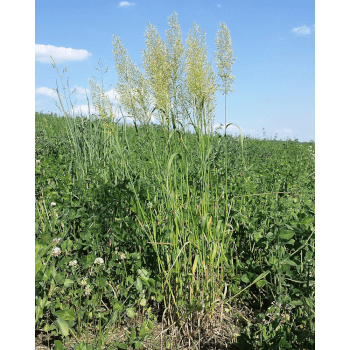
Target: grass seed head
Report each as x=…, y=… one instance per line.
x=224, y=58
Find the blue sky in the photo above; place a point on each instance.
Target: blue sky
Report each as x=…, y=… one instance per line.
x=273, y=42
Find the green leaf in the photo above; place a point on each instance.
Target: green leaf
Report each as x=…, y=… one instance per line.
x=283, y=343
x=286, y=234
x=130, y=313
x=258, y=236
x=38, y=265
x=67, y=315
x=309, y=302
x=116, y=306
x=139, y=284
x=290, y=262
x=137, y=344
x=132, y=333
x=143, y=274
x=129, y=280
x=143, y=330
x=68, y=283
x=62, y=326
x=59, y=278
x=245, y=278
x=101, y=282
x=152, y=282
x=261, y=283
x=308, y=220
x=302, y=336
x=150, y=324
x=296, y=302
x=273, y=260
x=269, y=235
x=37, y=248
x=58, y=345
x=122, y=346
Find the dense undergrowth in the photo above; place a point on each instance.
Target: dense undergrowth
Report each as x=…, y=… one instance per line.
x=143, y=227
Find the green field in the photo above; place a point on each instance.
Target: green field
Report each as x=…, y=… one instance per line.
x=170, y=235
x=248, y=255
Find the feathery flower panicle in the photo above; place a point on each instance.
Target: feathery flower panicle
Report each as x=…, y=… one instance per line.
x=224, y=58
x=176, y=58
x=158, y=67
x=56, y=251
x=200, y=79
x=101, y=100
x=99, y=261
x=132, y=87
x=224, y=61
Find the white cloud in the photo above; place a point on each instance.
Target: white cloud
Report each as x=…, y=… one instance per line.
x=59, y=54
x=219, y=5
x=303, y=30
x=46, y=91
x=126, y=4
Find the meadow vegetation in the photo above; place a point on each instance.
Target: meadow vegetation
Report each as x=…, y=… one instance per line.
x=170, y=234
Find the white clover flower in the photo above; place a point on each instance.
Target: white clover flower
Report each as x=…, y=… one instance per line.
x=56, y=240
x=143, y=302
x=88, y=290
x=98, y=261
x=56, y=251
x=37, y=161
x=83, y=281
x=122, y=256
x=73, y=263
x=53, y=204
x=149, y=205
